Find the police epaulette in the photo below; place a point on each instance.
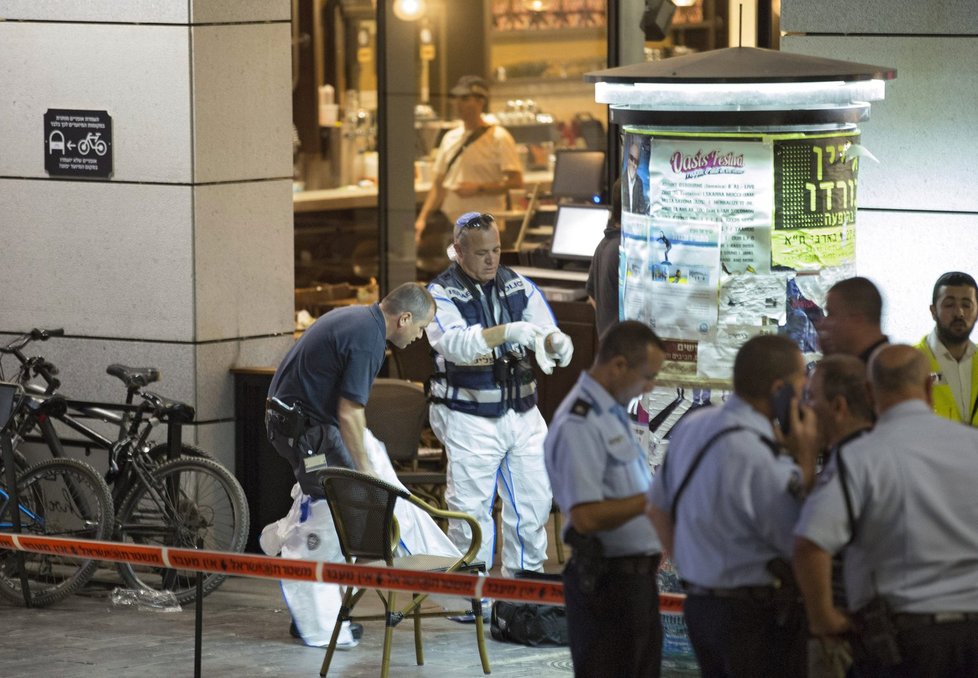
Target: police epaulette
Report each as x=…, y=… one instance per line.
x=580, y=407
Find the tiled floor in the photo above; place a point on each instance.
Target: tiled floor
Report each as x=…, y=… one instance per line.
x=245, y=634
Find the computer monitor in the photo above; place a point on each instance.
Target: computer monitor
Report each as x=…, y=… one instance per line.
x=577, y=231
x=579, y=176
x=8, y=394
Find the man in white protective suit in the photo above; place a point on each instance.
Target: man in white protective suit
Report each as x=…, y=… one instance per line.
x=483, y=393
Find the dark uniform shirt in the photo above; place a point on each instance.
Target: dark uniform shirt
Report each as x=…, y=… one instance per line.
x=340, y=355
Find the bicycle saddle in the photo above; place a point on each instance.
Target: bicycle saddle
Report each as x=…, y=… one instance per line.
x=134, y=377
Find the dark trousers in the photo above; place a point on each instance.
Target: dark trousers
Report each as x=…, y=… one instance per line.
x=614, y=630
x=316, y=439
x=744, y=638
x=932, y=651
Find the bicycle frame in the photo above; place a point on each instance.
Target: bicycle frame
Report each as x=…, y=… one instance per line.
x=131, y=420
x=24, y=511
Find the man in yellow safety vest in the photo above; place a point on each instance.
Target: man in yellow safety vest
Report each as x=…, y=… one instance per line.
x=950, y=350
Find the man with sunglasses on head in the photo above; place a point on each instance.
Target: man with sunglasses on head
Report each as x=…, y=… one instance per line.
x=483, y=393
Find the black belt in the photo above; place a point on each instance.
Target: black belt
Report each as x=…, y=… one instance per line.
x=905, y=621
x=739, y=593
x=633, y=564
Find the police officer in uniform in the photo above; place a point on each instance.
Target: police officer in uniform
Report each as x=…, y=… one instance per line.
x=600, y=474
x=904, y=494
x=725, y=502
x=838, y=395
x=315, y=418
x=315, y=407
x=853, y=319
x=483, y=394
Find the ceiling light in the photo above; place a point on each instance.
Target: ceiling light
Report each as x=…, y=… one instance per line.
x=409, y=10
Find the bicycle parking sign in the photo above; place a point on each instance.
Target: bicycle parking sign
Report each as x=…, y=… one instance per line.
x=78, y=143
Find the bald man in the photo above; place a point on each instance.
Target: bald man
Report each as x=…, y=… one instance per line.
x=852, y=322
x=901, y=500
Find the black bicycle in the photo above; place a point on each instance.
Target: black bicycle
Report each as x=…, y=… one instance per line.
x=55, y=498
x=166, y=493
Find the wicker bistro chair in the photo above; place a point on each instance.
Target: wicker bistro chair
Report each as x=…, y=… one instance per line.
x=396, y=413
x=362, y=507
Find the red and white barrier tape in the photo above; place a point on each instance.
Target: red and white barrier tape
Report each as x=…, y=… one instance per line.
x=268, y=567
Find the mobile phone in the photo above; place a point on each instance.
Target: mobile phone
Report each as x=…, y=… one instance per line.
x=781, y=404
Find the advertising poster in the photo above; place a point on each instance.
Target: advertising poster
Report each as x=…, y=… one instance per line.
x=635, y=175
x=815, y=180
x=726, y=182
x=684, y=267
x=634, y=278
x=733, y=237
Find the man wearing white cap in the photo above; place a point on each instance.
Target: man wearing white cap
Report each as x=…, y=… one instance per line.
x=476, y=163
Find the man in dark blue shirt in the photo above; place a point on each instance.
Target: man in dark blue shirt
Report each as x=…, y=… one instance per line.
x=602, y=276
x=315, y=411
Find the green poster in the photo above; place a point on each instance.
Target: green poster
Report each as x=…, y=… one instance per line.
x=815, y=181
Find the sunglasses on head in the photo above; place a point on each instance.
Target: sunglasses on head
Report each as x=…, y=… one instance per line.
x=484, y=220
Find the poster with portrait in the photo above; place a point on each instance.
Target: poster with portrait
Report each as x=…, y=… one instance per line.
x=738, y=235
x=635, y=175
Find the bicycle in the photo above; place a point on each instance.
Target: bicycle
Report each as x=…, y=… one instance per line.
x=92, y=142
x=57, y=497
x=166, y=494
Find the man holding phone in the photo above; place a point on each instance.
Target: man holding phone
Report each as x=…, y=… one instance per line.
x=902, y=504
x=724, y=504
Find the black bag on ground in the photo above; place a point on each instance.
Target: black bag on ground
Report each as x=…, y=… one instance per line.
x=528, y=623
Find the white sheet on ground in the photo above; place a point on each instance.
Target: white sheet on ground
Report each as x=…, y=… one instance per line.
x=307, y=532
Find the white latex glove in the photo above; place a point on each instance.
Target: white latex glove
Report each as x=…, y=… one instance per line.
x=545, y=362
x=563, y=348
x=522, y=333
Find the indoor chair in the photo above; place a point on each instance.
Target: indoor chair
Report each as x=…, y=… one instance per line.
x=396, y=413
x=362, y=507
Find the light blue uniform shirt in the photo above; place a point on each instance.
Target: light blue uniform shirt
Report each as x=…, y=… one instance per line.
x=913, y=481
x=738, y=510
x=592, y=455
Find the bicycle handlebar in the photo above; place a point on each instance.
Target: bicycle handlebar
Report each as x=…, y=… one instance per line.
x=46, y=371
x=44, y=335
x=34, y=335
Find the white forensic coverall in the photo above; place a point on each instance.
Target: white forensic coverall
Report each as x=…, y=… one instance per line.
x=490, y=454
x=307, y=533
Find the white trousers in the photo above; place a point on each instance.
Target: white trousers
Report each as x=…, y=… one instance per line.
x=307, y=533
x=503, y=454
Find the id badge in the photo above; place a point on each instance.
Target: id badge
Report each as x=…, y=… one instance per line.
x=314, y=463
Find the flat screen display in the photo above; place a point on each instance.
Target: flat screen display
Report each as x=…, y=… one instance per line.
x=8, y=393
x=579, y=175
x=577, y=231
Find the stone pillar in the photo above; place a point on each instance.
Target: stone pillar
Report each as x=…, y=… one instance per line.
x=183, y=257
x=918, y=208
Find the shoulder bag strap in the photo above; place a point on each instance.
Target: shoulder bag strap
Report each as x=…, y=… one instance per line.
x=696, y=462
x=844, y=481
x=472, y=138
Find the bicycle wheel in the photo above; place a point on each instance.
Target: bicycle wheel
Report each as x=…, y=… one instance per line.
x=194, y=503
x=159, y=453
x=58, y=498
